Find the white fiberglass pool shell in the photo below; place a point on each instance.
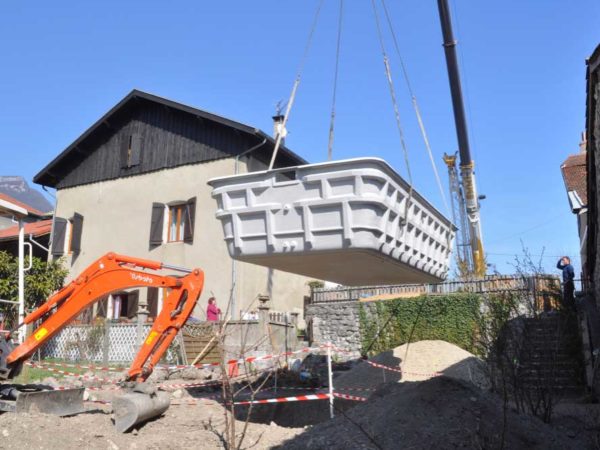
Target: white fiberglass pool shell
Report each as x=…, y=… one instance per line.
x=340, y=221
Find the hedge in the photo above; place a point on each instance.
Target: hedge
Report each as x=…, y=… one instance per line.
x=453, y=318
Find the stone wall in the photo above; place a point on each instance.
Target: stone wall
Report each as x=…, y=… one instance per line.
x=337, y=323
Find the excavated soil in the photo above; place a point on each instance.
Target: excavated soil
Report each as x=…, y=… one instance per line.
x=182, y=427
x=440, y=413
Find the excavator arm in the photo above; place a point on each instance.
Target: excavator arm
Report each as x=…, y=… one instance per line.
x=108, y=274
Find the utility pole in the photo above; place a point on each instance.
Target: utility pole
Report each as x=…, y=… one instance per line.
x=467, y=165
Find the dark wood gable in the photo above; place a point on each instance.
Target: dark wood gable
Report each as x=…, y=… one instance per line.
x=142, y=135
x=156, y=138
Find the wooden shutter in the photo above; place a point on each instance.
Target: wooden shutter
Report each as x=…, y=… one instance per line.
x=125, y=151
x=132, y=303
x=58, y=236
x=152, y=301
x=189, y=220
x=156, y=224
x=136, y=150
x=76, y=230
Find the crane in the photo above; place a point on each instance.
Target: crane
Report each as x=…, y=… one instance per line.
x=463, y=189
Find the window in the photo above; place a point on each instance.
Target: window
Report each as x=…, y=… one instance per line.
x=176, y=223
x=66, y=236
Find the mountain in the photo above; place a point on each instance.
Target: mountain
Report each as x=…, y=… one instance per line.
x=18, y=189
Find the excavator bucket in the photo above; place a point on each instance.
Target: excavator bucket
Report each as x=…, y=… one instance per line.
x=29, y=399
x=137, y=407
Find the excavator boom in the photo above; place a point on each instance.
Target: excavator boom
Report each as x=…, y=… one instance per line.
x=108, y=274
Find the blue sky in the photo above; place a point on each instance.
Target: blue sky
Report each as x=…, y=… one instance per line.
x=523, y=68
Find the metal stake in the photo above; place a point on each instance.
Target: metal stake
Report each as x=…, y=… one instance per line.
x=330, y=376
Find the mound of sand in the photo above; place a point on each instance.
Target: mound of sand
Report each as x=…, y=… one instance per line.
x=440, y=413
x=419, y=361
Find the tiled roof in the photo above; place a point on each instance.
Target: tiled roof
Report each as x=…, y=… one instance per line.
x=575, y=173
x=30, y=210
x=39, y=228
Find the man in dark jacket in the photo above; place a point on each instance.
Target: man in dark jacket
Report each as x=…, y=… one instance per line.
x=568, y=274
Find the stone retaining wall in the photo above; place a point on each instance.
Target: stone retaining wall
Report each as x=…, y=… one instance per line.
x=337, y=323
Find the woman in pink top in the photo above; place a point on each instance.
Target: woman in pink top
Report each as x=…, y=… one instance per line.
x=212, y=310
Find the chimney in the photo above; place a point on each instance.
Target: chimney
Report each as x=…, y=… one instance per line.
x=583, y=143
x=278, y=128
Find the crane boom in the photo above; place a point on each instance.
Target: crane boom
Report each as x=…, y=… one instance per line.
x=467, y=165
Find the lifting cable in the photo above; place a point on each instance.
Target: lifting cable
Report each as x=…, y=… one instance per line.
x=388, y=73
x=335, y=80
x=296, y=83
x=415, y=106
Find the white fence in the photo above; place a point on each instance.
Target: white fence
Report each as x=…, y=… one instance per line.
x=106, y=343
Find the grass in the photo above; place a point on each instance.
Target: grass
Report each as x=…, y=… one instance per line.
x=33, y=374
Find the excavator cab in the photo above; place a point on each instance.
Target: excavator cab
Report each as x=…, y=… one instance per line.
x=108, y=274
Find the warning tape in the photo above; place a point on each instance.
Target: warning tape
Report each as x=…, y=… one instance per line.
x=78, y=366
x=300, y=398
x=73, y=374
x=185, y=366
x=185, y=385
x=395, y=369
x=350, y=397
x=249, y=359
x=296, y=398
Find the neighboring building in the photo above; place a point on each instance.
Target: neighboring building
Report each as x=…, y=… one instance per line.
x=575, y=177
x=37, y=229
x=136, y=183
x=592, y=278
x=18, y=188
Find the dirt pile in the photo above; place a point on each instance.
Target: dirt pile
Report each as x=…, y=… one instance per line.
x=438, y=413
x=419, y=361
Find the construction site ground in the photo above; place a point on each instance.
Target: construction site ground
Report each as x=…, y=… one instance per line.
x=423, y=411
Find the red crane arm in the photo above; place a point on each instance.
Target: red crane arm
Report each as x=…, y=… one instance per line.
x=111, y=273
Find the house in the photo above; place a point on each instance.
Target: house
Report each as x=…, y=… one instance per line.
x=37, y=226
x=136, y=183
x=592, y=273
x=574, y=174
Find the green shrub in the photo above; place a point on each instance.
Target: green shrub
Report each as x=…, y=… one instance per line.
x=453, y=318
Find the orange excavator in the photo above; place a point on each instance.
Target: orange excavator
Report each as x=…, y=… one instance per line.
x=108, y=274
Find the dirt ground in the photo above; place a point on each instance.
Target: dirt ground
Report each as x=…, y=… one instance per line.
x=409, y=410
x=440, y=413
x=183, y=426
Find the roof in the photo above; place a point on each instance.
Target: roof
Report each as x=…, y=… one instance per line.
x=46, y=176
x=27, y=208
x=575, y=177
x=40, y=228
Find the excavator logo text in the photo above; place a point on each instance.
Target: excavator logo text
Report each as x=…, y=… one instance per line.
x=145, y=279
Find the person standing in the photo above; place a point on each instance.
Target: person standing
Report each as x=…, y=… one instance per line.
x=568, y=275
x=212, y=310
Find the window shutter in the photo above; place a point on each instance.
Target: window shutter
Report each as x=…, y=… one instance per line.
x=152, y=301
x=58, y=236
x=76, y=230
x=189, y=220
x=124, y=151
x=136, y=150
x=156, y=224
x=132, y=303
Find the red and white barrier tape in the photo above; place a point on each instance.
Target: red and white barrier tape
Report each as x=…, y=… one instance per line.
x=73, y=374
x=396, y=369
x=78, y=366
x=296, y=398
x=186, y=385
x=249, y=359
x=350, y=397
x=300, y=398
